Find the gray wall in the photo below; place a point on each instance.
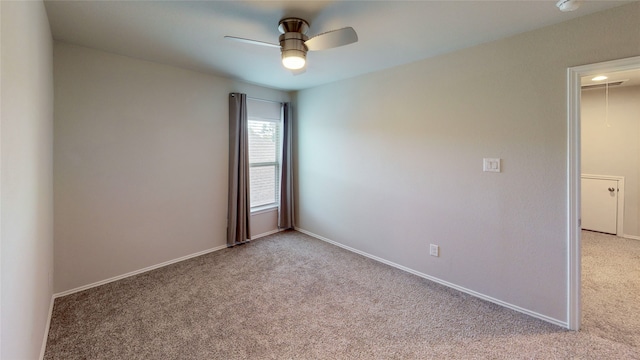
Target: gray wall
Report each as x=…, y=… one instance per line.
x=26, y=216
x=615, y=149
x=401, y=160
x=264, y=223
x=140, y=163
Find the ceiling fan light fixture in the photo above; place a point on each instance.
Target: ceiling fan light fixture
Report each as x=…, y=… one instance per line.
x=293, y=59
x=294, y=52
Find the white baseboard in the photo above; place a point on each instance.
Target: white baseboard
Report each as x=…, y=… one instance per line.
x=46, y=329
x=632, y=237
x=136, y=272
x=442, y=282
x=266, y=234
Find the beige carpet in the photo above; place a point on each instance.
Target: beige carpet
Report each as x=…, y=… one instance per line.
x=289, y=296
x=611, y=287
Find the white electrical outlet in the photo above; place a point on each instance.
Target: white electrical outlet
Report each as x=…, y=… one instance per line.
x=434, y=250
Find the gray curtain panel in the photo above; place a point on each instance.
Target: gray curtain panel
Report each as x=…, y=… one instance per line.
x=239, y=209
x=285, y=211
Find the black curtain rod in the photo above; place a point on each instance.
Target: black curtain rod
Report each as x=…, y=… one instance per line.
x=256, y=99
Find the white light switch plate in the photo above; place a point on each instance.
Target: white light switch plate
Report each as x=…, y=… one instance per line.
x=434, y=250
x=491, y=165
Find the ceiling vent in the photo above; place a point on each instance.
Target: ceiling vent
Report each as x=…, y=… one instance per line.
x=600, y=86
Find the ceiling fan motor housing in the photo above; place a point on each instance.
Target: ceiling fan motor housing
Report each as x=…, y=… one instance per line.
x=293, y=25
x=293, y=37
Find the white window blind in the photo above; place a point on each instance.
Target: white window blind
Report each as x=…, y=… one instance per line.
x=264, y=128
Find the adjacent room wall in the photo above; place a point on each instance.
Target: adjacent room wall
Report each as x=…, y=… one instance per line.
x=390, y=162
x=140, y=163
x=614, y=149
x=26, y=214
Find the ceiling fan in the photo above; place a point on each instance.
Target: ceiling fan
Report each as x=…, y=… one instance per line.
x=294, y=42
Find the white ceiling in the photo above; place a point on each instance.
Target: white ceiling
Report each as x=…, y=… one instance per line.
x=189, y=34
x=630, y=78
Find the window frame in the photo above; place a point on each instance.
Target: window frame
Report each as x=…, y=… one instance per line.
x=277, y=164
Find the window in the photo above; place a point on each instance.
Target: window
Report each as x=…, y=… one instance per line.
x=264, y=128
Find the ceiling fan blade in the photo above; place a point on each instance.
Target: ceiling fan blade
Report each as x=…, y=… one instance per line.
x=299, y=71
x=332, y=39
x=254, y=42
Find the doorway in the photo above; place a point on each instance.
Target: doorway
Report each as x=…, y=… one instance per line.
x=574, y=76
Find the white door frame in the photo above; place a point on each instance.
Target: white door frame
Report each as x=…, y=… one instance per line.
x=573, y=167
